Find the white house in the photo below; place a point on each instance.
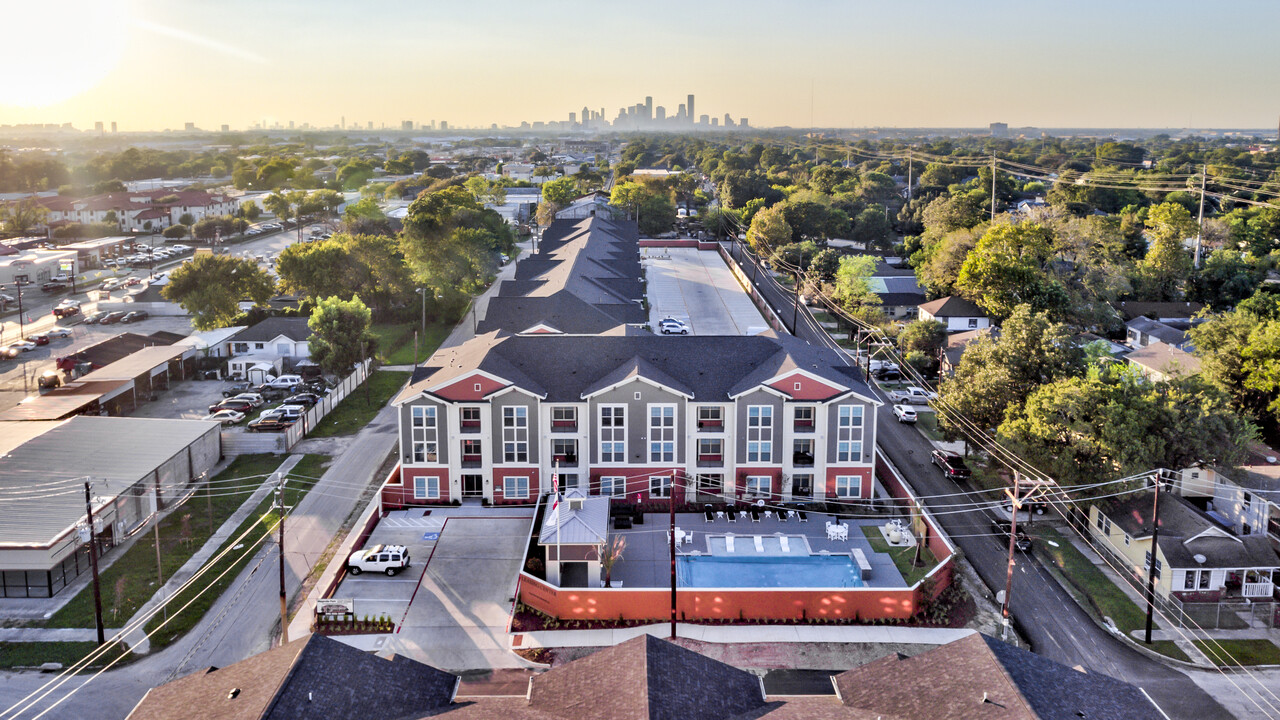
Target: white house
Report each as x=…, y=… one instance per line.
x=1245, y=499
x=275, y=345
x=956, y=313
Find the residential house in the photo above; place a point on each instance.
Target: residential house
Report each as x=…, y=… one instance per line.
x=648, y=677
x=1196, y=560
x=1245, y=499
x=900, y=294
x=634, y=413
x=278, y=342
x=144, y=210
x=1143, y=331
x=596, y=203
x=956, y=313
x=1159, y=362
x=1169, y=313
x=956, y=344
x=311, y=677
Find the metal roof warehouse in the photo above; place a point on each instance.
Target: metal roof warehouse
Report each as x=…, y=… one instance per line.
x=136, y=466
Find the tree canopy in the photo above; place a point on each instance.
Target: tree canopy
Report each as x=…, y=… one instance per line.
x=340, y=334
x=211, y=287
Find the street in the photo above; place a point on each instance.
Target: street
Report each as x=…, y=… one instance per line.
x=1045, y=614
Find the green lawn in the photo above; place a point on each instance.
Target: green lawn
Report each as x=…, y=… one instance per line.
x=1106, y=598
x=928, y=422
x=203, y=593
x=14, y=655
x=395, y=342
x=131, y=579
x=1243, y=652
x=902, y=557
x=358, y=408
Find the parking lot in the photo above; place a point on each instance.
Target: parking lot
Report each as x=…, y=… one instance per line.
x=451, y=606
x=698, y=288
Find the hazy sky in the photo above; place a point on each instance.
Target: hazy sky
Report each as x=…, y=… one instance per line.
x=152, y=64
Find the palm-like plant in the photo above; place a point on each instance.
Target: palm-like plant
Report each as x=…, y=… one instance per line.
x=610, y=552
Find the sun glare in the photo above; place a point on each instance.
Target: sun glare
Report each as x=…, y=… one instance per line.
x=59, y=49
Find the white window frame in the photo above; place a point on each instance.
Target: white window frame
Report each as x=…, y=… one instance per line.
x=660, y=486
x=426, y=487
x=514, y=481
x=564, y=413
x=758, y=486
x=848, y=486
x=515, y=434
x=617, y=485
x=662, y=433
x=1103, y=524
x=462, y=414
x=424, y=434
x=849, y=449
x=613, y=438
x=711, y=413
x=759, y=434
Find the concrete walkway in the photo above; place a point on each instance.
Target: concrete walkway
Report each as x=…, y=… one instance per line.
x=747, y=634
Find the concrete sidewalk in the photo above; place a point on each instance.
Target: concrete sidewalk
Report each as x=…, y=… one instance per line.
x=746, y=634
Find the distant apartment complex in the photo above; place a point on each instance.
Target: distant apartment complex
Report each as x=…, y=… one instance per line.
x=146, y=210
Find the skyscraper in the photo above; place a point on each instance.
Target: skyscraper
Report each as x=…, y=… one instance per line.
x=113, y=126
x=648, y=107
x=682, y=114
x=97, y=127
x=691, y=112
x=660, y=114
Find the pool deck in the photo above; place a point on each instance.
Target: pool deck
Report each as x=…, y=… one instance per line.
x=646, y=561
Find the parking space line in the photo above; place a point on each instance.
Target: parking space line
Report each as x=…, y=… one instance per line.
x=418, y=587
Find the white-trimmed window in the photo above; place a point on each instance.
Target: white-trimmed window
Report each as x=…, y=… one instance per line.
x=470, y=417
x=423, y=429
x=1146, y=563
x=758, y=485
x=849, y=434
x=760, y=433
x=426, y=487
x=662, y=433
x=660, y=486
x=710, y=417
x=848, y=486
x=612, y=485
x=515, y=434
x=515, y=487
x=613, y=433
x=1103, y=523
x=564, y=418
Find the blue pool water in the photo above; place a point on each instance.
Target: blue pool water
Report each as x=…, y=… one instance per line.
x=814, y=571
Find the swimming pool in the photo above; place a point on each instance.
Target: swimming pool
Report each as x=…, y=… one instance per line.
x=813, y=571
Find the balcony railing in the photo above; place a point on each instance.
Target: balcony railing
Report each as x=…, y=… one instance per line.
x=710, y=460
x=472, y=460
x=1256, y=589
x=804, y=426
x=470, y=426
x=710, y=425
x=566, y=460
x=564, y=426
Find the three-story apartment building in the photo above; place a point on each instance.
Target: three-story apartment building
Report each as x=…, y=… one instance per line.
x=710, y=418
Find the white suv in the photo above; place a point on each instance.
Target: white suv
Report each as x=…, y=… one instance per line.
x=672, y=326
x=389, y=559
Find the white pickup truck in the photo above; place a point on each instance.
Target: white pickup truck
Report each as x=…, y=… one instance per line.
x=389, y=559
x=912, y=395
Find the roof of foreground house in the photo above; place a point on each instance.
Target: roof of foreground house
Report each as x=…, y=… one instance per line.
x=952, y=306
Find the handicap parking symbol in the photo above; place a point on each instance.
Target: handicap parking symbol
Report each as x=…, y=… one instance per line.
x=430, y=536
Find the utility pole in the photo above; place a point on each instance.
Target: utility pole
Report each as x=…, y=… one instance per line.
x=1204, y=172
x=93, y=563
x=284, y=604
x=795, y=311
x=908, y=175
x=1151, y=566
x=993, y=187
x=1013, y=536
x=159, y=569
x=671, y=537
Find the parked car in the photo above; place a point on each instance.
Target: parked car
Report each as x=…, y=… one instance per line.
x=952, y=465
x=285, y=382
x=235, y=389
x=226, y=417
x=54, y=286
x=231, y=404
x=672, y=326
x=94, y=318
x=49, y=379
x=305, y=399
x=254, y=398
x=876, y=366
x=389, y=559
x=67, y=308
x=133, y=282
x=270, y=393
x=18, y=347
x=112, y=318
x=289, y=412
x=905, y=414
x=913, y=395
x=268, y=423
x=135, y=316
x=39, y=338
x=1002, y=528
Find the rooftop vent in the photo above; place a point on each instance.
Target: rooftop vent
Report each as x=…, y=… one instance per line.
x=234, y=692
x=1199, y=558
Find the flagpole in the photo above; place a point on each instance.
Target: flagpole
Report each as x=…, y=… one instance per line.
x=555, y=488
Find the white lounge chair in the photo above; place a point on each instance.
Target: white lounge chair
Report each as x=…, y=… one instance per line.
x=786, y=543
x=728, y=542
x=759, y=544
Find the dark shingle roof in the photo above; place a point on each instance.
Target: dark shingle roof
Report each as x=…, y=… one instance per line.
x=952, y=306
x=309, y=677
x=1186, y=532
x=294, y=328
x=117, y=348
x=646, y=677
x=981, y=677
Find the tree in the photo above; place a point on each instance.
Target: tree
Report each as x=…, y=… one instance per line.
x=610, y=554
x=211, y=287
x=1227, y=277
x=853, y=283
x=649, y=202
x=926, y=336
x=1082, y=430
x=174, y=232
x=1239, y=353
x=1167, y=264
x=450, y=243
x=769, y=230
x=340, y=334
x=996, y=375
x=824, y=266
x=250, y=211
x=187, y=219
x=871, y=228
x=278, y=205
x=560, y=192
x=20, y=217
x=1006, y=269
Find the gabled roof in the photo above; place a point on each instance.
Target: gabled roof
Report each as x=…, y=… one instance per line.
x=1166, y=359
x=645, y=678
x=636, y=367
x=952, y=306
x=1185, y=533
x=294, y=328
x=981, y=678
x=313, y=677
x=1158, y=330
x=588, y=525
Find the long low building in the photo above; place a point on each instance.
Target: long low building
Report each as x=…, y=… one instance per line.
x=135, y=465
